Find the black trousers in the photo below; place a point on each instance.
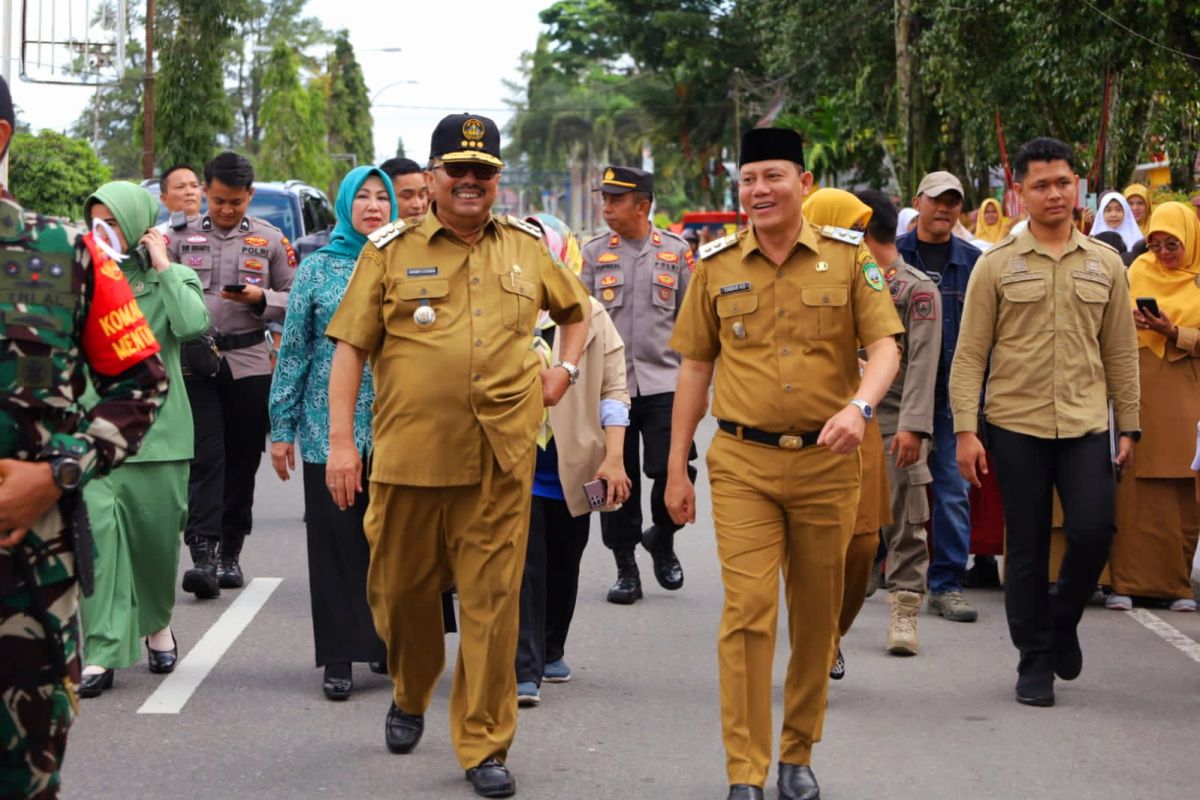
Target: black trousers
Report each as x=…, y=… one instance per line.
x=649, y=417
x=338, y=555
x=550, y=585
x=1028, y=468
x=231, y=424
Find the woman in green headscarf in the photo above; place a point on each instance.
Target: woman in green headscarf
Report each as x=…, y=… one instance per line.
x=138, y=510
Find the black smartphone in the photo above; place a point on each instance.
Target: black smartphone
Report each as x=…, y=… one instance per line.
x=1148, y=305
x=142, y=256
x=235, y=287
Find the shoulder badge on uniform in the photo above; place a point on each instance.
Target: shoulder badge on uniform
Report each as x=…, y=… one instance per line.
x=387, y=233
x=870, y=269
x=656, y=239
x=717, y=245
x=522, y=225
x=840, y=234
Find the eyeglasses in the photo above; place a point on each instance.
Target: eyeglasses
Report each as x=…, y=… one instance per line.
x=1170, y=247
x=482, y=172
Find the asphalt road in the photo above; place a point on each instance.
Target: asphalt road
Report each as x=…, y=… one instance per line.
x=640, y=718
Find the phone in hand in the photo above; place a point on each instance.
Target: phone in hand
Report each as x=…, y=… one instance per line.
x=1148, y=305
x=235, y=287
x=597, y=493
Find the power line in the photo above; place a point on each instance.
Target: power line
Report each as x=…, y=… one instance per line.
x=1141, y=36
x=555, y=110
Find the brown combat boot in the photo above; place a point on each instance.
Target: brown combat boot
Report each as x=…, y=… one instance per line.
x=902, y=629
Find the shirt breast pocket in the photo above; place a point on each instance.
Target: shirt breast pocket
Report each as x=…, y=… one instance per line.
x=1024, y=303
x=826, y=312
x=202, y=265
x=665, y=286
x=740, y=323
x=1092, y=292
x=518, y=304
x=252, y=271
x=403, y=300
x=610, y=288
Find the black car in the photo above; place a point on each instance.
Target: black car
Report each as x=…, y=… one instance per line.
x=302, y=212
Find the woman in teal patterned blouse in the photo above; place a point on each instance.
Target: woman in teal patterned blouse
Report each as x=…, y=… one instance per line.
x=337, y=549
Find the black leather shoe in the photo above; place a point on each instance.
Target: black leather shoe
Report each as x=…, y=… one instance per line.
x=1036, y=689
x=162, y=662
x=744, y=791
x=338, y=683
x=402, y=731
x=94, y=685
x=378, y=667
x=201, y=579
x=839, y=667
x=667, y=568
x=1068, y=658
x=492, y=779
x=797, y=782
x=628, y=588
x=229, y=571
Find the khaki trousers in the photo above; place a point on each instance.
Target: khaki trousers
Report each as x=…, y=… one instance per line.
x=874, y=511
x=778, y=509
x=422, y=539
x=906, y=539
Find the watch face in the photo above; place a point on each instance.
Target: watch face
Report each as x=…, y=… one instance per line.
x=68, y=473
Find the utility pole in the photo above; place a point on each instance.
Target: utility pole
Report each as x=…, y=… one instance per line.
x=148, y=109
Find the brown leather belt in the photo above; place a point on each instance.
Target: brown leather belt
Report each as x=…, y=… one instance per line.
x=785, y=441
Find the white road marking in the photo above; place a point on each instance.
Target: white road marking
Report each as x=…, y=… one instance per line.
x=1168, y=633
x=174, y=692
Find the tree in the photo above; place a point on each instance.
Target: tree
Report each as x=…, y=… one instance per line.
x=53, y=173
x=192, y=107
x=400, y=148
x=293, y=120
x=350, y=124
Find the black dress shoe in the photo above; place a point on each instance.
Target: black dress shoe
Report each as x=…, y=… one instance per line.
x=744, y=791
x=628, y=588
x=94, y=685
x=337, y=684
x=797, y=782
x=1068, y=658
x=838, y=671
x=162, y=662
x=667, y=569
x=378, y=667
x=1036, y=689
x=492, y=779
x=402, y=731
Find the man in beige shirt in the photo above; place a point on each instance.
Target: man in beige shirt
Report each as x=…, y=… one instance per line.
x=1047, y=311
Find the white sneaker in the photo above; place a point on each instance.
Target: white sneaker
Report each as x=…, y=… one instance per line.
x=1184, y=604
x=1119, y=602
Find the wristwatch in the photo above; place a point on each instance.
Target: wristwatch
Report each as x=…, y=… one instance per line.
x=572, y=370
x=867, y=411
x=67, y=472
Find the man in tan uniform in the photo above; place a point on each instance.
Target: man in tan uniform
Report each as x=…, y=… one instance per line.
x=906, y=420
x=782, y=306
x=445, y=309
x=1047, y=316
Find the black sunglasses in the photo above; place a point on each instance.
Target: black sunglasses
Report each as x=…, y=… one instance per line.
x=481, y=171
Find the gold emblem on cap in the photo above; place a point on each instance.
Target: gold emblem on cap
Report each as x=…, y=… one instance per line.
x=473, y=129
x=608, y=174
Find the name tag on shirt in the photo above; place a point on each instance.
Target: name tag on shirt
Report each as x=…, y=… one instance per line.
x=421, y=272
x=733, y=288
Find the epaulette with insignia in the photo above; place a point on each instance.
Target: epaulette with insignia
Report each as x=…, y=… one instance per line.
x=387, y=233
x=1007, y=240
x=1102, y=244
x=522, y=225
x=717, y=245
x=675, y=236
x=840, y=234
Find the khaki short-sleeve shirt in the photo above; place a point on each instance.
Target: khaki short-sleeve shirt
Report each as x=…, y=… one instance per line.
x=448, y=327
x=785, y=338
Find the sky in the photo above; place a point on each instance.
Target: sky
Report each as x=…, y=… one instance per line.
x=453, y=57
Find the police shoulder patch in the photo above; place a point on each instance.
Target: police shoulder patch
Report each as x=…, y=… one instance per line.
x=840, y=234
x=387, y=233
x=522, y=225
x=716, y=246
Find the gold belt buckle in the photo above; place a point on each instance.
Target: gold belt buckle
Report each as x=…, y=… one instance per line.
x=789, y=442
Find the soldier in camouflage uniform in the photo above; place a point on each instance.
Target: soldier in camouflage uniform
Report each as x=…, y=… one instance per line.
x=66, y=315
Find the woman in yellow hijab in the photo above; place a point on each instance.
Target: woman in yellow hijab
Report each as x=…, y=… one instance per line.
x=1157, y=520
x=990, y=224
x=841, y=209
x=1138, y=197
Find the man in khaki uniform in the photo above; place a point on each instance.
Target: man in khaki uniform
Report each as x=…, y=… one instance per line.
x=782, y=307
x=1047, y=316
x=640, y=274
x=445, y=309
x=246, y=267
x=906, y=420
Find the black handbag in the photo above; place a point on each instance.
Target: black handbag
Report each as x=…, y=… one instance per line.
x=199, y=357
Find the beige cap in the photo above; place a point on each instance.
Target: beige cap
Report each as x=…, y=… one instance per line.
x=935, y=183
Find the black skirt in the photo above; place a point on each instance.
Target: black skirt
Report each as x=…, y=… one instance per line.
x=338, y=556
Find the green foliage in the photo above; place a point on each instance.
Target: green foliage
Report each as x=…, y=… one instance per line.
x=400, y=148
x=350, y=123
x=294, y=125
x=191, y=106
x=53, y=173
